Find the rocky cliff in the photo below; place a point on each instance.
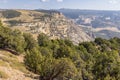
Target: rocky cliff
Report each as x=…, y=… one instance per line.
x=102, y=23
x=52, y=23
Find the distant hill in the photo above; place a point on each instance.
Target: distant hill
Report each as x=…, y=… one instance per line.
x=49, y=22
x=24, y=58
x=96, y=19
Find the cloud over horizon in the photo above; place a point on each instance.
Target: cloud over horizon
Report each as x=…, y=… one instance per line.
x=114, y=1
x=51, y=0
x=59, y=0
x=57, y=4
x=44, y=0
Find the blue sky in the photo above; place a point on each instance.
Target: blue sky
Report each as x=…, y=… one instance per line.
x=56, y=4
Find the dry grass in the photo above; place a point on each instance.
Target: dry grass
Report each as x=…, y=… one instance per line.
x=3, y=75
x=12, y=67
x=19, y=66
x=12, y=61
x=2, y=63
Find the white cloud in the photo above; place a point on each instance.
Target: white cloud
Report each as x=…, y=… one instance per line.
x=44, y=0
x=59, y=0
x=51, y=0
x=114, y=1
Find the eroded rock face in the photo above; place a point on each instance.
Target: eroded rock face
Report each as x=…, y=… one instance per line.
x=52, y=23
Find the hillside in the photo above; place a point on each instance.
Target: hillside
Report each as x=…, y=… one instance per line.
x=12, y=67
x=99, y=22
x=21, y=57
x=52, y=23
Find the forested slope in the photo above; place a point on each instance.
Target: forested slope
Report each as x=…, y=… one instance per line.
x=61, y=59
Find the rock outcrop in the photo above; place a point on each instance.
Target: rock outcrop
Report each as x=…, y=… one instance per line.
x=52, y=23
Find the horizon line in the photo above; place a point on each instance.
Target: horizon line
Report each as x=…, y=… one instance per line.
x=57, y=9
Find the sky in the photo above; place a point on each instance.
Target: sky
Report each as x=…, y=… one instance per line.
x=57, y=4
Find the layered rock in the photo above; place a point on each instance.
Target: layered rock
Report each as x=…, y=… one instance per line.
x=52, y=23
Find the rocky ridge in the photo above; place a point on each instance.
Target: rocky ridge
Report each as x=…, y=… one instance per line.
x=52, y=23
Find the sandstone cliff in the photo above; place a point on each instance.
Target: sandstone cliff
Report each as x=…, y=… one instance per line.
x=52, y=23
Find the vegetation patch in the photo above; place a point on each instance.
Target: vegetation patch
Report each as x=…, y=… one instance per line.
x=3, y=75
x=13, y=22
x=61, y=59
x=10, y=13
x=2, y=63
x=19, y=66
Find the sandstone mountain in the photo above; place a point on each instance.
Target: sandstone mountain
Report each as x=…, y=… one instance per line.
x=52, y=23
